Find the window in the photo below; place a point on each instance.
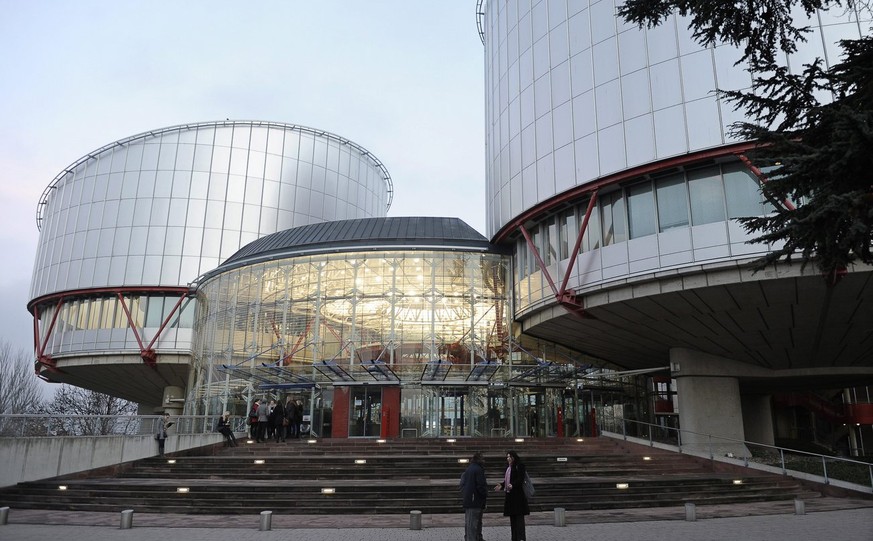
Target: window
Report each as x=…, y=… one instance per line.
x=640, y=210
x=613, y=218
x=707, y=196
x=742, y=192
x=672, y=202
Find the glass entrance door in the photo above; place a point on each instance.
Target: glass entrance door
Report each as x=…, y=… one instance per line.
x=366, y=411
x=454, y=410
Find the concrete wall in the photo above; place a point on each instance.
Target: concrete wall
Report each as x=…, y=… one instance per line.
x=31, y=459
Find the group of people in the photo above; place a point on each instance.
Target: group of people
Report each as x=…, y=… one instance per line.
x=275, y=421
x=474, y=489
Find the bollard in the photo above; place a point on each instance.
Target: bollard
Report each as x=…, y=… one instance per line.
x=415, y=520
x=266, y=521
x=560, y=517
x=126, y=519
x=4, y=516
x=799, y=507
x=690, y=512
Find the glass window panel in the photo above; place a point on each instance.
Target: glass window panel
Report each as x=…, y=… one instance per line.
x=672, y=202
x=613, y=218
x=602, y=20
x=707, y=196
x=155, y=243
x=635, y=94
x=640, y=210
x=591, y=237
x=742, y=192
x=241, y=136
x=560, y=84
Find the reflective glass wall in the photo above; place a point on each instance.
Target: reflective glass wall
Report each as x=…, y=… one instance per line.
x=667, y=221
x=161, y=208
x=574, y=94
x=376, y=317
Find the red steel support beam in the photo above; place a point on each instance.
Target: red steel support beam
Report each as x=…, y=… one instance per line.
x=539, y=259
x=761, y=176
x=575, y=254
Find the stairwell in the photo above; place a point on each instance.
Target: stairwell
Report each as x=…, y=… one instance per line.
x=398, y=476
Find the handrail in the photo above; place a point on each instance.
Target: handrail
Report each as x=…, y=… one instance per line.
x=605, y=425
x=53, y=426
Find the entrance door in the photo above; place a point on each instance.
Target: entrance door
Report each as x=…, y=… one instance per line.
x=366, y=411
x=453, y=410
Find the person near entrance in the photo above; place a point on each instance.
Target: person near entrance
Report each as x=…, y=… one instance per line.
x=515, y=503
x=474, y=489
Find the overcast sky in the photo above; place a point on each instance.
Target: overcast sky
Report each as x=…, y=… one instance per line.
x=401, y=78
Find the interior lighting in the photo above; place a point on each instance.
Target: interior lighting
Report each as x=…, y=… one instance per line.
x=62, y=487
x=259, y=461
x=328, y=491
x=183, y=490
x=622, y=485
x=519, y=440
x=360, y=461
x=738, y=481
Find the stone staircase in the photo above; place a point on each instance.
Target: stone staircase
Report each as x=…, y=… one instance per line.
x=398, y=476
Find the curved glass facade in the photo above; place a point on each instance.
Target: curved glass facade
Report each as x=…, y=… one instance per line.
x=383, y=318
x=574, y=94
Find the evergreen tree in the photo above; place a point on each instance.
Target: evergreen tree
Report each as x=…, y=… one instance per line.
x=814, y=125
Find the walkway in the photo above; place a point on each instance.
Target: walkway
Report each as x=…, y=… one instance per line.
x=826, y=518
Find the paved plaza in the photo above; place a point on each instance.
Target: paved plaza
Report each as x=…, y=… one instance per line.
x=825, y=519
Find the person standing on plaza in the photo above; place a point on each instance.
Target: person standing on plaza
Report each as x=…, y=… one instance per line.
x=161, y=435
x=515, y=503
x=279, y=422
x=263, y=421
x=474, y=490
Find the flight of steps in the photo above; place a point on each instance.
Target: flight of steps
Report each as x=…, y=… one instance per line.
x=398, y=476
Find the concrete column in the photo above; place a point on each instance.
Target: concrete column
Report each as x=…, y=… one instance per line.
x=758, y=419
x=709, y=403
x=174, y=400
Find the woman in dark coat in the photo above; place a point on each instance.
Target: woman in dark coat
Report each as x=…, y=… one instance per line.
x=515, y=503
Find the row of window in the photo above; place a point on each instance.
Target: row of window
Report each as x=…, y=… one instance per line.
x=695, y=197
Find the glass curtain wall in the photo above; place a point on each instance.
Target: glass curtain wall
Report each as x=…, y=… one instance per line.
x=333, y=318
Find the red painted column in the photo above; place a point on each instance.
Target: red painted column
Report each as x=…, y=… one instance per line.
x=391, y=411
x=340, y=416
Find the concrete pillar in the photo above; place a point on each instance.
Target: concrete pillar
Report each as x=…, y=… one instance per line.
x=174, y=400
x=709, y=403
x=758, y=419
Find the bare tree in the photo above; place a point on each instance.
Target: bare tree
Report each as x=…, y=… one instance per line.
x=88, y=412
x=19, y=386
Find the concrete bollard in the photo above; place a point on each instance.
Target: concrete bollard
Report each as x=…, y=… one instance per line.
x=415, y=520
x=4, y=516
x=266, y=521
x=799, y=507
x=126, y=519
x=560, y=517
x=690, y=512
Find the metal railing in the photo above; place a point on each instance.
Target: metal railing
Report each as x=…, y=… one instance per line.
x=792, y=462
x=34, y=425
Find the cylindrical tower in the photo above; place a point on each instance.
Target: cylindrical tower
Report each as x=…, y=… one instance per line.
x=124, y=229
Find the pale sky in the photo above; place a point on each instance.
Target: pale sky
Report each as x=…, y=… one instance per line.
x=402, y=78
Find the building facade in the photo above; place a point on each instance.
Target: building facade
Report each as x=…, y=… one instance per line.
x=125, y=229
x=611, y=170
x=195, y=268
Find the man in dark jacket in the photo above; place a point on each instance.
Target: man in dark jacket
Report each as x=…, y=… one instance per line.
x=474, y=489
